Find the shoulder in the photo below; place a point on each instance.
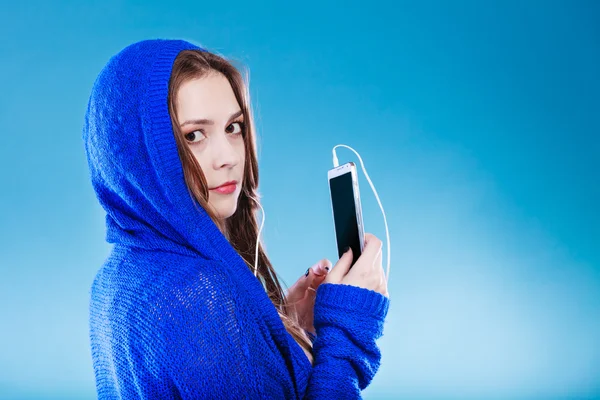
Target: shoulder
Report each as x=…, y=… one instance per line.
x=200, y=312
x=192, y=292
x=152, y=284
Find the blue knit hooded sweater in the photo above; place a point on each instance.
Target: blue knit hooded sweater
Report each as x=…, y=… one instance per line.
x=175, y=313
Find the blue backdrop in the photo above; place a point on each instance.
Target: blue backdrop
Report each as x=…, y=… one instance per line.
x=479, y=125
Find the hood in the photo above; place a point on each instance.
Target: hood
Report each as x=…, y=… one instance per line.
x=134, y=165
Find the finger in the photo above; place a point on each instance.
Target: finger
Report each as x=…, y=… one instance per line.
x=379, y=266
x=298, y=290
x=372, y=248
x=320, y=274
x=321, y=268
x=341, y=267
x=370, y=238
x=319, y=279
x=378, y=258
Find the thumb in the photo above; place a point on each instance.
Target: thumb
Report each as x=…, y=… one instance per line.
x=341, y=267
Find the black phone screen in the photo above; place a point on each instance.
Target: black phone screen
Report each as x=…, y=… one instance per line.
x=344, y=215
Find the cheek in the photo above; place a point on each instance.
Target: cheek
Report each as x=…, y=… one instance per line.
x=204, y=165
x=242, y=151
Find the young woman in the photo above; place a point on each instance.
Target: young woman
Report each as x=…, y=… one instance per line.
x=179, y=309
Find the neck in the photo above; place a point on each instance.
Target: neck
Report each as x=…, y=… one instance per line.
x=222, y=224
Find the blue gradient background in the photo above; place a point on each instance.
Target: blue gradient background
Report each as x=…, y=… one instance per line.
x=478, y=122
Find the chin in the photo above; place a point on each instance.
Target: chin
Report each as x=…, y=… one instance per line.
x=226, y=213
x=225, y=208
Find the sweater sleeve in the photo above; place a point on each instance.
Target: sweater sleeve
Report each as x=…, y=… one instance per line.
x=205, y=346
x=348, y=320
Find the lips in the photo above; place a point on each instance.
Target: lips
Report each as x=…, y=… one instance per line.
x=226, y=188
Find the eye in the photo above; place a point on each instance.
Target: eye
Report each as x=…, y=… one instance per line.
x=195, y=136
x=233, y=130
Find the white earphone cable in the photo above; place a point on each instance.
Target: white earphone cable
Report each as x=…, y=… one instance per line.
x=387, y=233
x=258, y=237
x=335, y=164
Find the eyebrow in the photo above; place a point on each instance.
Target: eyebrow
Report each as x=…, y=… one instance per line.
x=209, y=121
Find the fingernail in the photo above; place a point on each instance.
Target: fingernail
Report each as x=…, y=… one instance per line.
x=307, y=271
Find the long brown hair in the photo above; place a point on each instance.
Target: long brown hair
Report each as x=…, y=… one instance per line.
x=241, y=229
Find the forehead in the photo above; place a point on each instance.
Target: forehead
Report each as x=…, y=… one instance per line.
x=210, y=96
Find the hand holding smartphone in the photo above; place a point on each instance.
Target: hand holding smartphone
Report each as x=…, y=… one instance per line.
x=347, y=211
x=367, y=272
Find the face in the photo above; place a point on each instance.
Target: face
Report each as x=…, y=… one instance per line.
x=212, y=124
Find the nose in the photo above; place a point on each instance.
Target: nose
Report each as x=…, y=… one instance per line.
x=226, y=155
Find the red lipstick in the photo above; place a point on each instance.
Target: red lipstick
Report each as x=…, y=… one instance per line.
x=226, y=188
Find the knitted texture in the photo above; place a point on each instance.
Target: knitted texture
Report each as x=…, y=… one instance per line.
x=175, y=312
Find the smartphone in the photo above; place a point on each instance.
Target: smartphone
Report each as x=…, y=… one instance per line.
x=347, y=211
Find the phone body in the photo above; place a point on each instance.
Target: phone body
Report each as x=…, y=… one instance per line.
x=347, y=210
